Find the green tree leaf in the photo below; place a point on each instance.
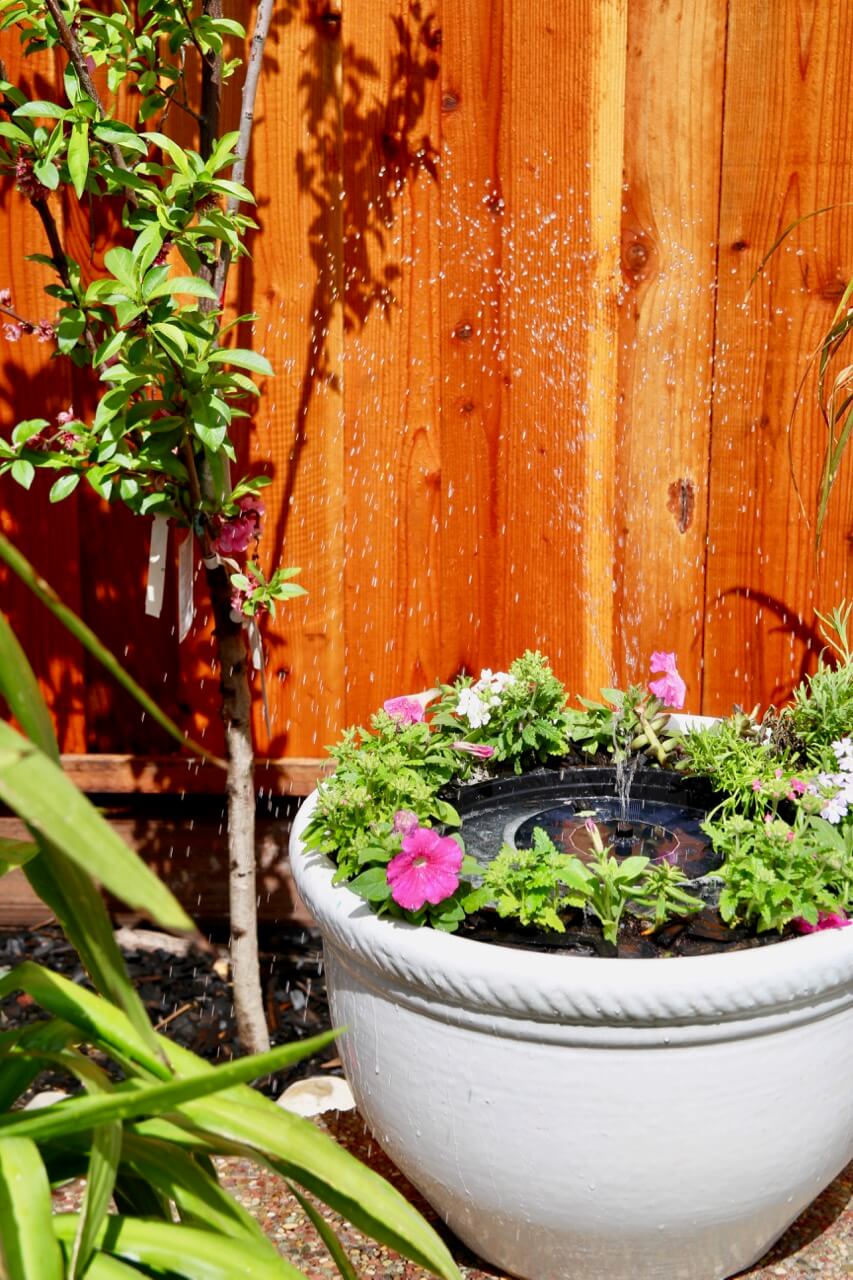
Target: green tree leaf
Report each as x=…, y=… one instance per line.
x=78, y=156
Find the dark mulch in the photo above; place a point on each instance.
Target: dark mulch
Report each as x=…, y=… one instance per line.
x=189, y=996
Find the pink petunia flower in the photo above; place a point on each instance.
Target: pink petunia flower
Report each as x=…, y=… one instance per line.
x=670, y=688
x=478, y=749
x=825, y=920
x=404, y=710
x=427, y=870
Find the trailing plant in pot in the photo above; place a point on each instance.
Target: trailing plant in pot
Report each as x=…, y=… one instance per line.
x=639, y=956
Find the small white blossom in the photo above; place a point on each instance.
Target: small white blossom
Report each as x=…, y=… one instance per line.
x=844, y=753
x=835, y=809
x=472, y=707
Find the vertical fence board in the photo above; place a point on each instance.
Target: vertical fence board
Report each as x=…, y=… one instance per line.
x=475, y=340
x=787, y=150
x=391, y=387
x=292, y=283
x=34, y=386
x=673, y=122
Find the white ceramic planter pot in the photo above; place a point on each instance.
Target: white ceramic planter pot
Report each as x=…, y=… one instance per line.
x=594, y=1119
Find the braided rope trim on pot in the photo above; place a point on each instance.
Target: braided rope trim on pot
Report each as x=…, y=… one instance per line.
x=813, y=971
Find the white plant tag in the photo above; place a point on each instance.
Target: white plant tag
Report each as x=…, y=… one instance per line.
x=157, y=553
x=256, y=648
x=186, y=607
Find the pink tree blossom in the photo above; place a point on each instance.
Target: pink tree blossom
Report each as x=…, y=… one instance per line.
x=670, y=688
x=427, y=870
x=238, y=531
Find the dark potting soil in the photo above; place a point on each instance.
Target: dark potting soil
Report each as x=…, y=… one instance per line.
x=187, y=992
x=700, y=935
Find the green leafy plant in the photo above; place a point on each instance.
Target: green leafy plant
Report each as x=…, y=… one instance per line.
x=171, y=390
x=143, y=1135
x=520, y=715
x=396, y=777
x=776, y=872
x=662, y=896
x=379, y=772
x=534, y=885
x=821, y=711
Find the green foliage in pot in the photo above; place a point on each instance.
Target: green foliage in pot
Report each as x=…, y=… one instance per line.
x=784, y=826
x=151, y=1115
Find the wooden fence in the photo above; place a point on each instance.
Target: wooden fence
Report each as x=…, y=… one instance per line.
x=523, y=395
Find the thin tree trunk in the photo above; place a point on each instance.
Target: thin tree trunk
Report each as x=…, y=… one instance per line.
x=236, y=709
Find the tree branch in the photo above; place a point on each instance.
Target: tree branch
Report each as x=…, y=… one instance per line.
x=75, y=54
x=211, y=90
x=247, y=119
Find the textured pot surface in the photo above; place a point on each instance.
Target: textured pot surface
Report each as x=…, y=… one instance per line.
x=595, y=1119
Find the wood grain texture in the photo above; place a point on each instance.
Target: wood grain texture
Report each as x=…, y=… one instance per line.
x=530, y=218
x=191, y=856
x=32, y=385
x=788, y=149
x=521, y=398
x=673, y=127
x=393, y=506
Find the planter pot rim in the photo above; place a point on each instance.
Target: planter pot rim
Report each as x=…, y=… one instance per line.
x=814, y=972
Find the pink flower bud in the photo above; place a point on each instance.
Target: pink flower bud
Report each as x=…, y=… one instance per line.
x=478, y=749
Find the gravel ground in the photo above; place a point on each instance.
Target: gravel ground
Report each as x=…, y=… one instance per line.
x=818, y=1245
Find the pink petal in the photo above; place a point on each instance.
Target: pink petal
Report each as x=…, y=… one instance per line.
x=405, y=710
x=661, y=661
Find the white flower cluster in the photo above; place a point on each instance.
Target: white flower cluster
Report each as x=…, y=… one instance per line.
x=477, y=701
x=840, y=783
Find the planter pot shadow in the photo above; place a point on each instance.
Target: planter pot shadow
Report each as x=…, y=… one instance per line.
x=594, y=1119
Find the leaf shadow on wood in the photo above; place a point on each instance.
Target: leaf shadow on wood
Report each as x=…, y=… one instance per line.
x=366, y=149
x=789, y=623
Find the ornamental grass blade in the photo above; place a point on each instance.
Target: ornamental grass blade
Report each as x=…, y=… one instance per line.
x=200, y=1255
x=199, y=1198
x=100, y=1182
x=95, y=1019
x=20, y=1051
x=20, y=688
x=104, y=1267
x=37, y=790
x=301, y=1153
x=79, y=908
x=326, y=1234
x=291, y=1145
x=64, y=888
x=19, y=564
x=28, y=1247
x=133, y=1099
x=15, y=853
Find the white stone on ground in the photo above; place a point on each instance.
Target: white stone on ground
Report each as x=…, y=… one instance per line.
x=317, y=1094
